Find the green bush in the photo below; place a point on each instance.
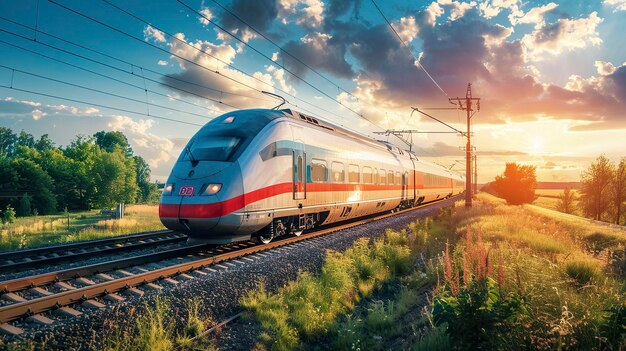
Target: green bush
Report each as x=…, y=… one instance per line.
x=583, y=272
x=480, y=316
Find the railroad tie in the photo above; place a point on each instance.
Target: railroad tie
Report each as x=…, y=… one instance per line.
x=40, y=319
x=135, y=292
x=9, y=329
x=113, y=297
x=93, y=304
x=68, y=311
x=15, y=298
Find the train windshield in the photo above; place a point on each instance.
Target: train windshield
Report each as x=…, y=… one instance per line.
x=214, y=148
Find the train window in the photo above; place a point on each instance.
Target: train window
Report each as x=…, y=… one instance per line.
x=398, y=179
x=318, y=171
x=383, y=174
x=390, y=179
x=353, y=173
x=338, y=172
x=215, y=148
x=367, y=175
x=376, y=178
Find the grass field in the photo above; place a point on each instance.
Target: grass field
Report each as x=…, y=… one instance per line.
x=36, y=231
x=510, y=277
x=549, y=198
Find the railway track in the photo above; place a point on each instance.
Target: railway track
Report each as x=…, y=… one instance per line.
x=21, y=259
x=31, y=297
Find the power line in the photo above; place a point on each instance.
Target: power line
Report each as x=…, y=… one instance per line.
x=98, y=105
x=281, y=49
x=195, y=63
x=131, y=64
x=265, y=56
x=101, y=91
x=107, y=77
x=408, y=48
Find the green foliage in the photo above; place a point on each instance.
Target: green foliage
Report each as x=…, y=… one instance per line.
x=479, y=316
x=596, y=187
x=517, y=185
x=613, y=329
x=583, y=271
x=8, y=215
x=567, y=201
x=308, y=308
x=98, y=171
x=436, y=339
x=24, y=207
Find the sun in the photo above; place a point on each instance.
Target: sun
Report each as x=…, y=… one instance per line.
x=536, y=145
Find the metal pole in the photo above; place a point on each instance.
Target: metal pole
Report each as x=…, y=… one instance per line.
x=468, y=151
x=475, y=176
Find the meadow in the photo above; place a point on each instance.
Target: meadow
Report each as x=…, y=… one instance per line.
x=33, y=231
x=549, y=198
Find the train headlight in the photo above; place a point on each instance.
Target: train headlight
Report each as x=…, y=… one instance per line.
x=167, y=190
x=212, y=189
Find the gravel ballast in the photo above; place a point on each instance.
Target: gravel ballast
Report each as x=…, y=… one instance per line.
x=220, y=289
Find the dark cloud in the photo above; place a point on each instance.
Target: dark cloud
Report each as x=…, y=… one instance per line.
x=318, y=51
x=260, y=14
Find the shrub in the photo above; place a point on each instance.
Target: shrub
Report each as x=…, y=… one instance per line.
x=583, y=271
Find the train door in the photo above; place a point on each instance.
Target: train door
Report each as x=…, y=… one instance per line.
x=299, y=165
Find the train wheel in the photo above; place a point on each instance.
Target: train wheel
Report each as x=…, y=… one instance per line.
x=265, y=237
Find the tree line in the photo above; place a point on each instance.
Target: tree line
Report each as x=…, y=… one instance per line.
x=602, y=195
x=98, y=171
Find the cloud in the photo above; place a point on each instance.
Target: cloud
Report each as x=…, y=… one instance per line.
x=155, y=149
x=491, y=8
x=619, y=5
x=150, y=33
x=220, y=86
x=162, y=63
x=458, y=8
x=307, y=13
x=258, y=14
x=535, y=15
x=208, y=15
x=320, y=51
x=37, y=114
x=565, y=34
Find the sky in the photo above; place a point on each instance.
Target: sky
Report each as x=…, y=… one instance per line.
x=551, y=76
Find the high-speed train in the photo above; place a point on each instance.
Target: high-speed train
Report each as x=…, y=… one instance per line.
x=259, y=174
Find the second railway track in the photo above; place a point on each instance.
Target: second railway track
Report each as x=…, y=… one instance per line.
x=35, y=295
x=26, y=258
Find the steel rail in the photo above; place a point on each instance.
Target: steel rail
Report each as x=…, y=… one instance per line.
x=57, y=253
x=46, y=303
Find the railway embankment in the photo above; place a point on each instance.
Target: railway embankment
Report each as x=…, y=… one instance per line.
x=490, y=277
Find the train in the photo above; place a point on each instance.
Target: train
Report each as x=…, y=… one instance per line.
x=258, y=174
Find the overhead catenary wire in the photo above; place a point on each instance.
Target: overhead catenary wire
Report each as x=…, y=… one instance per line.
x=98, y=105
x=196, y=63
x=102, y=92
x=409, y=49
x=117, y=68
x=280, y=65
x=281, y=48
x=107, y=77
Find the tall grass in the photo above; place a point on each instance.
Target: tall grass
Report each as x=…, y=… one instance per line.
x=53, y=229
x=308, y=308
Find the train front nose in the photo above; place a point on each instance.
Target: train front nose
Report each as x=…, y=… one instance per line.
x=203, y=206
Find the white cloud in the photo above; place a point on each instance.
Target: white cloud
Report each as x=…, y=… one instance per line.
x=535, y=15
x=25, y=102
x=458, y=8
x=206, y=13
x=155, y=149
x=565, y=34
x=37, y=114
x=605, y=68
x=90, y=110
x=162, y=63
x=407, y=28
x=151, y=33
x=275, y=56
x=309, y=13
x=620, y=5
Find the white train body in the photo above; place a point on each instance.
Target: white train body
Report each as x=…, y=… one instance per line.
x=274, y=172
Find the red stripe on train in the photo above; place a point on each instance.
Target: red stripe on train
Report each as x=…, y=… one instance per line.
x=222, y=208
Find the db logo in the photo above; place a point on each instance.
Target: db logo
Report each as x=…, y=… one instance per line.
x=186, y=191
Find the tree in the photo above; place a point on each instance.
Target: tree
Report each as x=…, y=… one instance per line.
x=618, y=190
x=44, y=143
x=567, y=201
x=109, y=141
x=26, y=139
x=32, y=178
x=143, y=179
x=8, y=216
x=517, y=184
x=7, y=141
x=596, y=188
x=24, y=207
